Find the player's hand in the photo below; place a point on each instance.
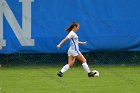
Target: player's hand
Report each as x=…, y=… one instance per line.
x=84, y=43
x=58, y=46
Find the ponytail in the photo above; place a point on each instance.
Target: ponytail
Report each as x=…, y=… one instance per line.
x=71, y=26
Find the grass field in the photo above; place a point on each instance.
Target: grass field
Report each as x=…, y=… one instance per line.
x=43, y=79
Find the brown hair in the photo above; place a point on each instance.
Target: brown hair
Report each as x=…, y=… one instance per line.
x=71, y=26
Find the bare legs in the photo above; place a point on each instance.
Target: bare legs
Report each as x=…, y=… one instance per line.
x=71, y=61
x=82, y=59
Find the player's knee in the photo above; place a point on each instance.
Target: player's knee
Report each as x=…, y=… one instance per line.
x=84, y=60
x=71, y=64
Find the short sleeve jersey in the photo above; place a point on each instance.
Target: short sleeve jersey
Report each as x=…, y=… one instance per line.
x=73, y=40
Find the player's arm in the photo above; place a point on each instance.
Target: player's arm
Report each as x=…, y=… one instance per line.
x=0, y=47
x=64, y=40
x=69, y=36
x=83, y=43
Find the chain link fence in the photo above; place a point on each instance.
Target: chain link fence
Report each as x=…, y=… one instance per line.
x=95, y=58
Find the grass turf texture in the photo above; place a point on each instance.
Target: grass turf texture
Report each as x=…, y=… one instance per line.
x=43, y=79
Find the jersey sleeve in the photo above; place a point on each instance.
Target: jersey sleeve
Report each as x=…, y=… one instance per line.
x=70, y=35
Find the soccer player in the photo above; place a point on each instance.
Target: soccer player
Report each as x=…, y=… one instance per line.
x=73, y=52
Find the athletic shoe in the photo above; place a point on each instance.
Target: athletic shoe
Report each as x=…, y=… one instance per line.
x=91, y=74
x=60, y=74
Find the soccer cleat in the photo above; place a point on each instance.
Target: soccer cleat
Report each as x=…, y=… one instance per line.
x=60, y=74
x=91, y=74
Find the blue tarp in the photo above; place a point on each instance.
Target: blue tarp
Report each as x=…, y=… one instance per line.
x=110, y=25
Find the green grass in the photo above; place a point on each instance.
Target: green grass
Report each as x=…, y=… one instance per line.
x=43, y=79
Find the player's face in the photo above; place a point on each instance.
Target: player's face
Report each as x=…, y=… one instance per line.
x=76, y=27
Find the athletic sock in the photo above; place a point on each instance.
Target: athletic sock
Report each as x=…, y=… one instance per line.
x=86, y=68
x=65, y=68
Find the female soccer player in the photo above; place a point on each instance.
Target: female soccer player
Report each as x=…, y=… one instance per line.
x=73, y=52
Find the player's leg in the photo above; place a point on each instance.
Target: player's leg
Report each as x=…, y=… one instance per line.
x=82, y=59
x=71, y=61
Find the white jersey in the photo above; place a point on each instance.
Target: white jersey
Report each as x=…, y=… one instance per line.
x=74, y=46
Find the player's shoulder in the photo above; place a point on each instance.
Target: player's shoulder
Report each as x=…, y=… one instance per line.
x=72, y=32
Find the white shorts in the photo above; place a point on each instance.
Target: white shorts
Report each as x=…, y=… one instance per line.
x=73, y=52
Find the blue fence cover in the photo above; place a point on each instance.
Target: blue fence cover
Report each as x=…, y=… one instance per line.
x=37, y=26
